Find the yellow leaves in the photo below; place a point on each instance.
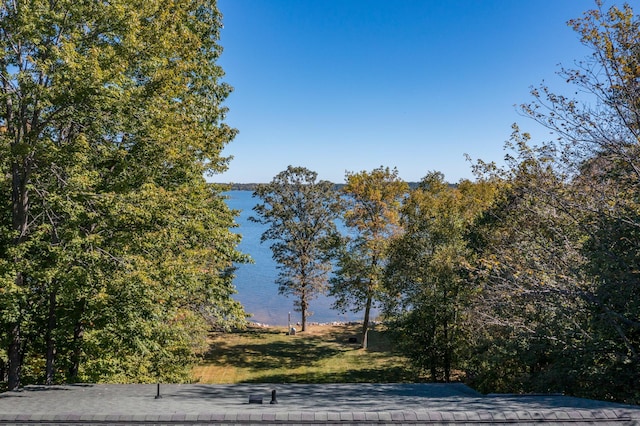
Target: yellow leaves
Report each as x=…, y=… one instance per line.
x=374, y=199
x=102, y=296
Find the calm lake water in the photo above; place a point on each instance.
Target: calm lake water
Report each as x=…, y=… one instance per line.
x=255, y=283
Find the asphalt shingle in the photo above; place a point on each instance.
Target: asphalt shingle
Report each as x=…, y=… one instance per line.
x=343, y=404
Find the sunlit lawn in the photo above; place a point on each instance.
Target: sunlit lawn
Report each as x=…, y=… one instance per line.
x=322, y=354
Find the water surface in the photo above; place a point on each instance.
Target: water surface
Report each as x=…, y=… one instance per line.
x=256, y=286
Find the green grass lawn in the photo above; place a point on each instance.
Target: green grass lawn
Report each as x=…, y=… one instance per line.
x=322, y=354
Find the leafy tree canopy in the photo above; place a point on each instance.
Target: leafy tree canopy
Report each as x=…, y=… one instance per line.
x=301, y=213
x=113, y=250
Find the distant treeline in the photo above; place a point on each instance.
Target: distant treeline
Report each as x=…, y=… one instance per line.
x=252, y=186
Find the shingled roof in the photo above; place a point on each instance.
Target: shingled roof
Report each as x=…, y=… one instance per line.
x=299, y=404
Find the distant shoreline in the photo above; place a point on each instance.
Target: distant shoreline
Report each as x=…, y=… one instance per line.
x=310, y=324
x=252, y=186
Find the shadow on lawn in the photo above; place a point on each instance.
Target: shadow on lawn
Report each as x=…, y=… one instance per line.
x=371, y=375
x=274, y=355
x=271, y=354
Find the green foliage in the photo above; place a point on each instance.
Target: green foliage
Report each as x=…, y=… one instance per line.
x=114, y=251
x=558, y=254
x=301, y=214
x=373, y=201
x=529, y=266
x=430, y=291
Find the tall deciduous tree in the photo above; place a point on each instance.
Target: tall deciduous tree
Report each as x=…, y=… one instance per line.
x=572, y=264
x=427, y=277
x=301, y=213
x=530, y=317
x=114, y=247
x=599, y=147
x=373, y=201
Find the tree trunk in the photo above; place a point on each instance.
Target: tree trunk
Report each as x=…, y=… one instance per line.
x=365, y=323
x=20, y=170
x=76, y=345
x=14, y=355
x=433, y=353
x=50, y=340
x=77, y=352
x=447, y=353
x=20, y=205
x=303, y=307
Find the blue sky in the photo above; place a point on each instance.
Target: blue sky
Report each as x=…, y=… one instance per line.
x=351, y=85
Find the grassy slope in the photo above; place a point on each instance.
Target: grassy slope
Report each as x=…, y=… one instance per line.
x=322, y=354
